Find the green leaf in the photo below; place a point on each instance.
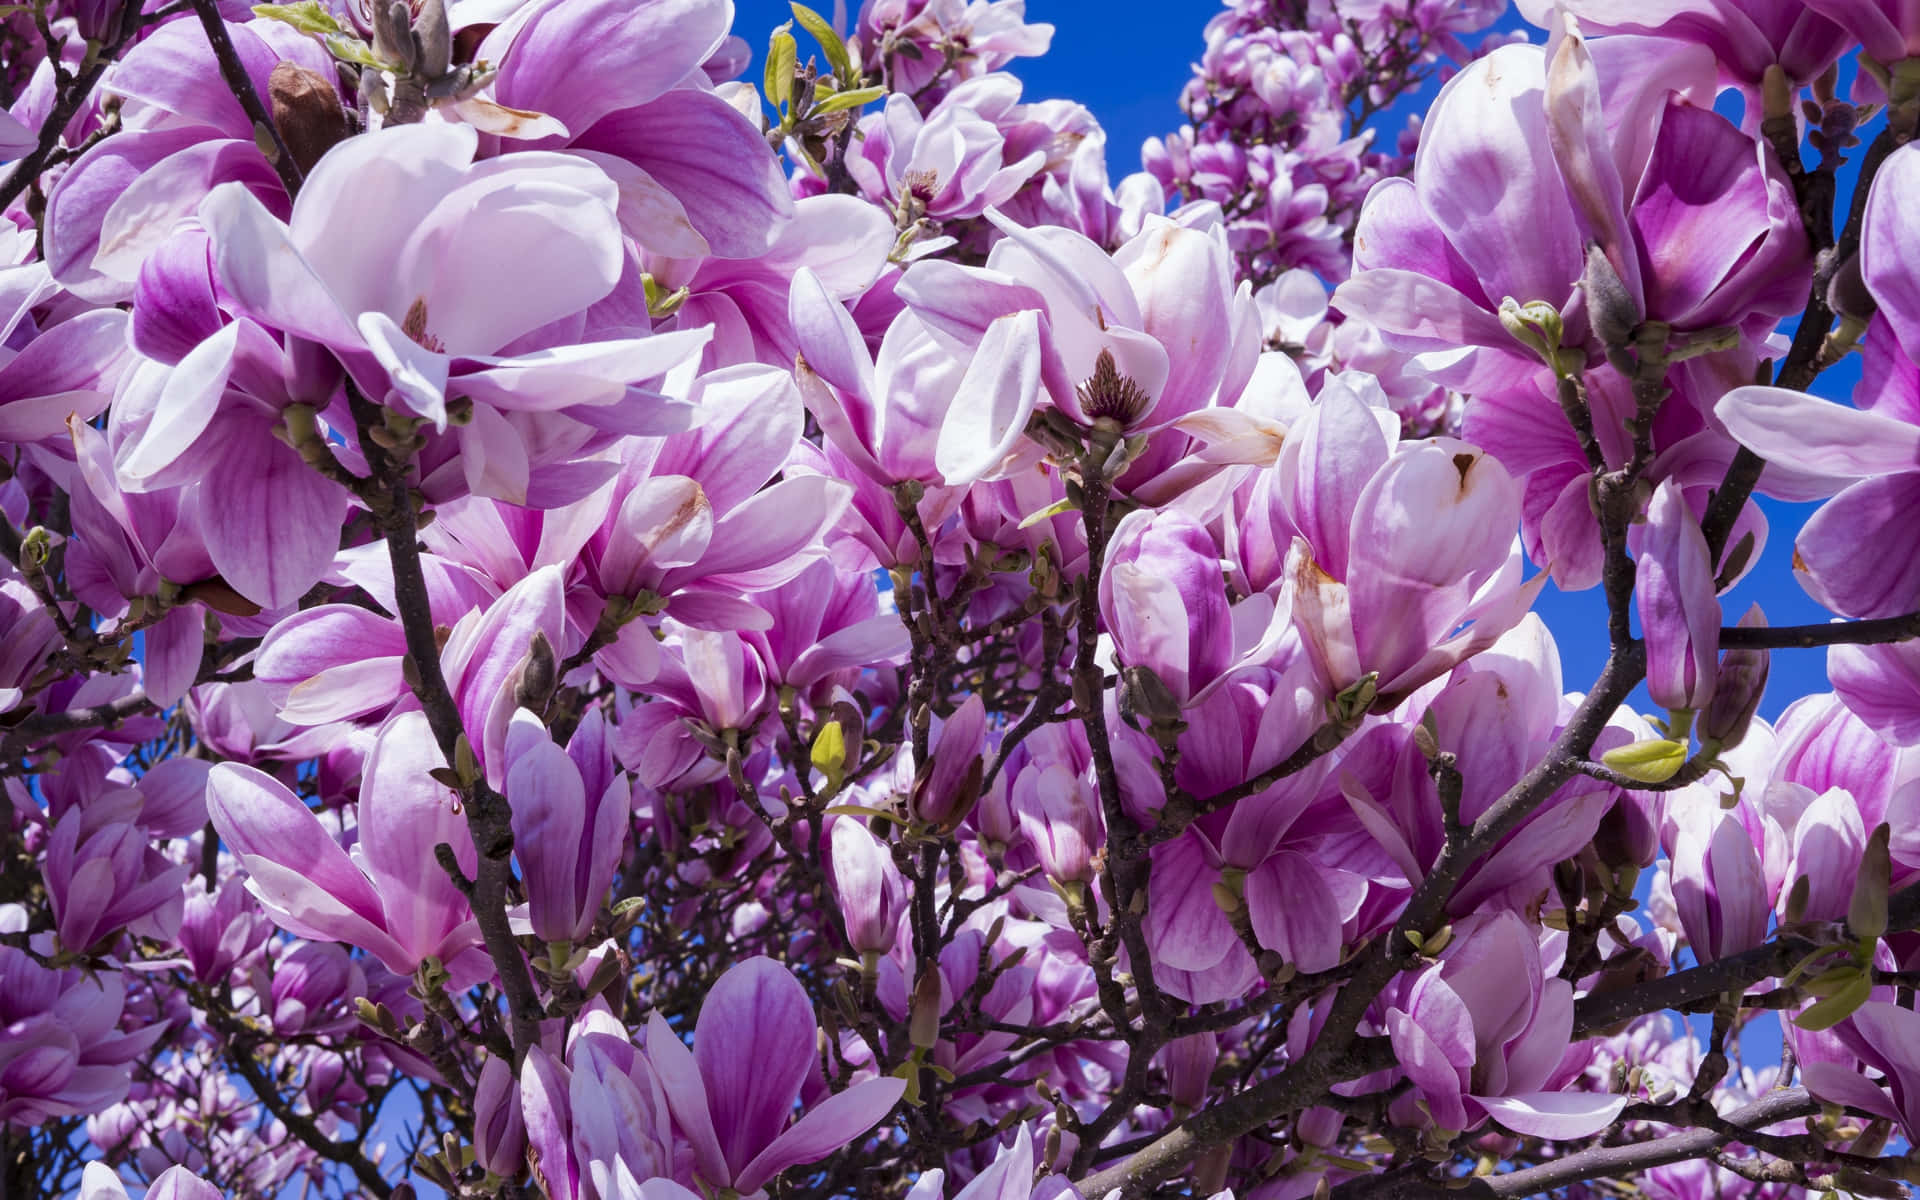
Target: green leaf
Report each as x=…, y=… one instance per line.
x=1653, y=761
x=857, y=98
x=858, y=810
x=1050, y=511
x=350, y=49
x=307, y=16
x=823, y=33
x=1837, y=1007
x=1867, y=911
x=782, y=54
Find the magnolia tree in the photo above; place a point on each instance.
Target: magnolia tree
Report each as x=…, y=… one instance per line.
x=576, y=626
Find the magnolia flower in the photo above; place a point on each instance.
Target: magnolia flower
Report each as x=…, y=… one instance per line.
x=1524, y=161
x=388, y=896
x=732, y=1096
x=1858, y=555
x=1484, y=1031
x=366, y=265
x=62, y=1052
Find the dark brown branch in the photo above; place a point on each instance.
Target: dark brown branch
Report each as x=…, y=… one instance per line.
x=95, y=716
x=241, y=85
x=303, y=1127
x=1876, y=632
x=1600, y=1162
x=389, y=497
x=1685, y=989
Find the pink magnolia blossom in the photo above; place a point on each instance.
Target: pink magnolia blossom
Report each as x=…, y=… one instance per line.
x=388, y=896
x=732, y=1095
x=406, y=328
x=1484, y=1032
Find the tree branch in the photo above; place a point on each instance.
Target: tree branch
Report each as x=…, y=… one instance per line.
x=241, y=85
x=389, y=497
x=1876, y=632
x=1600, y=1162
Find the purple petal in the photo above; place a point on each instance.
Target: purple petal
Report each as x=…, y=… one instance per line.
x=1890, y=241
x=404, y=814
x=840, y=1120
x=1881, y=686
x=275, y=527
x=754, y=1044
x=1294, y=913
x=1555, y=1114
x=548, y=1112
x=772, y=537
x=1185, y=926
x=1858, y=555
x=680, y=1079
x=1818, y=436
x=173, y=654
x=68, y=371
x=300, y=873
x=1002, y=385
x=574, y=61
x=711, y=158
x=1431, y=1057
x=1485, y=173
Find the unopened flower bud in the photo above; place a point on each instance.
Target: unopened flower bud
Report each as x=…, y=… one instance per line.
x=947, y=786
x=433, y=39
x=1610, y=307
x=306, y=111
x=1736, y=695
x=1867, y=911
x=923, y=1019
x=98, y=20
x=1145, y=698
x=539, y=676
x=1847, y=293
x=1189, y=1063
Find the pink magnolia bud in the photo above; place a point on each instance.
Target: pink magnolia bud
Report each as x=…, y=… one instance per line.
x=1189, y=1066
x=946, y=788
x=568, y=837
x=1743, y=681
x=1679, y=607
x=499, y=1130
x=1164, y=599
x=312, y=986
x=872, y=894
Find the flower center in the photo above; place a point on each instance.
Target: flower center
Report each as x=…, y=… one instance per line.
x=414, y=325
x=1108, y=393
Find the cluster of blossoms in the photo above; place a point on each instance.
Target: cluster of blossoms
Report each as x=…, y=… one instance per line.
x=573, y=625
x=1281, y=137
x=1278, y=117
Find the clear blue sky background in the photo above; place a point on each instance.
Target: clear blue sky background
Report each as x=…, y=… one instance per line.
x=1127, y=60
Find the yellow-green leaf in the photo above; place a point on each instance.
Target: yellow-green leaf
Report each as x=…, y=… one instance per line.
x=782, y=54
x=307, y=16
x=1652, y=761
x=1837, y=1007
x=830, y=42
x=857, y=98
